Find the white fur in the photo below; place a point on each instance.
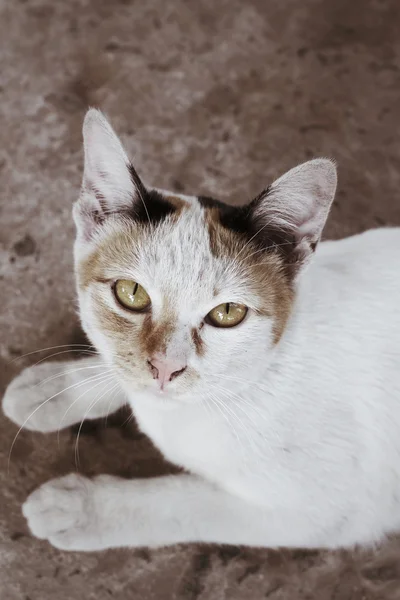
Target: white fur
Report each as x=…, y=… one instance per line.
x=105, y=161
x=301, y=198
x=290, y=445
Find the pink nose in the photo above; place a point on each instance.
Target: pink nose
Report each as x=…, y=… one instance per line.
x=164, y=369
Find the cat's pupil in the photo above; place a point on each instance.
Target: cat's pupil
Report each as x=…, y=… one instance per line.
x=135, y=289
x=227, y=308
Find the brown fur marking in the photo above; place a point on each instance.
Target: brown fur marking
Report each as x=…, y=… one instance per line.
x=198, y=342
x=88, y=271
x=178, y=202
x=265, y=270
x=154, y=337
x=120, y=245
x=112, y=321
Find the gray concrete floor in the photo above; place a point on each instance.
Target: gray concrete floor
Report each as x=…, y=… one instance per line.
x=214, y=98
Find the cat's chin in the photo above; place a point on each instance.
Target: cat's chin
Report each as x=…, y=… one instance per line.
x=157, y=399
x=150, y=393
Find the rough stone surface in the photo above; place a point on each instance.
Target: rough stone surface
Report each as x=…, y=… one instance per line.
x=210, y=97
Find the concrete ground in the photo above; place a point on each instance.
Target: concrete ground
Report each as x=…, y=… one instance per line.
x=210, y=97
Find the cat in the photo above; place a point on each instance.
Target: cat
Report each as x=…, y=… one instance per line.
x=263, y=362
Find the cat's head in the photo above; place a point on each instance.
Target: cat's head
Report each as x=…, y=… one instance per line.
x=181, y=293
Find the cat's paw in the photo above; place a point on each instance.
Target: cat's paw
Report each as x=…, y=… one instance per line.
x=63, y=511
x=28, y=399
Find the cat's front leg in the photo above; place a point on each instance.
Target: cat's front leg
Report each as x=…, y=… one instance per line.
x=76, y=513
x=54, y=395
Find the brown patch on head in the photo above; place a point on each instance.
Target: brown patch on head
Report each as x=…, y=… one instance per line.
x=271, y=284
x=154, y=336
x=152, y=209
x=88, y=269
x=265, y=269
x=117, y=247
x=223, y=241
x=112, y=256
x=197, y=341
x=112, y=321
x=122, y=331
x=177, y=202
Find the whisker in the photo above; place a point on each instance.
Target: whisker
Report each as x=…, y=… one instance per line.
x=242, y=400
x=128, y=420
x=215, y=401
x=40, y=406
x=207, y=407
x=50, y=348
x=238, y=404
x=118, y=389
x=92, y=405
x=247, y=382
x=253, y=408
x=143, y=202
x=252, y=238
x=102, y=378
x=265, y=250
x=257, y=430
x=90, y=352
x=238, y=419
x=55, y=376
x=253, y=433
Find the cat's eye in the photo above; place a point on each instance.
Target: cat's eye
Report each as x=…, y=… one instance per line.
x=131, y=295
x=227, y=315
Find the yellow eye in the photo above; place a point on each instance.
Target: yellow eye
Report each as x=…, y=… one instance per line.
x=227, y=315
x=131, y=295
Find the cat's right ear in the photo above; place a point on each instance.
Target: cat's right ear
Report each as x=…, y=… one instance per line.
x=110, y=184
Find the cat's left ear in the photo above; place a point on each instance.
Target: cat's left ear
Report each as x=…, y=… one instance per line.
x=110, y=185
x=292, y=212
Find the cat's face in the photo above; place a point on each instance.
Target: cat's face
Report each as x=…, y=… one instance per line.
x=186, y=265
x=179, y=293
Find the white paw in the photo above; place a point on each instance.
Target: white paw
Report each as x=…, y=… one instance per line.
x=28, y=399
x=63, y=511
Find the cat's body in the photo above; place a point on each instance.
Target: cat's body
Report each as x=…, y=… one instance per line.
x=288, y=422
x=320, y=425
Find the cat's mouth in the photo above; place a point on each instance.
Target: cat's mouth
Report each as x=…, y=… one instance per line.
x=138, y=382
x=170, y=390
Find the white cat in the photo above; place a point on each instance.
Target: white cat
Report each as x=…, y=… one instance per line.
x=275, y=385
